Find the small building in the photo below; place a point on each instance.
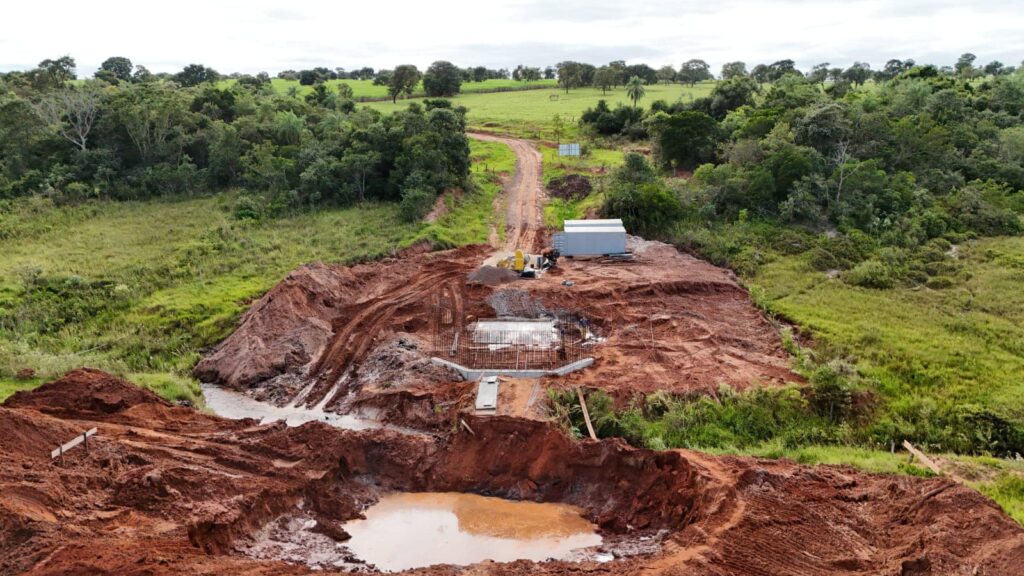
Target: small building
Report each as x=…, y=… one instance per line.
x=591, y=238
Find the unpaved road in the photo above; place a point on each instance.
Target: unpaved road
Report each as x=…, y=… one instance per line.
x=524, y=195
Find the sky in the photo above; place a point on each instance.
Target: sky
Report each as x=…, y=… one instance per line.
x=272, y=35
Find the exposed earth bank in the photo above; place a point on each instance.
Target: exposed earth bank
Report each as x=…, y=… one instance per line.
x=167, y=490
x=335, y=334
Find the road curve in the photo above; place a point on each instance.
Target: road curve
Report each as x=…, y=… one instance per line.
x=524, y=196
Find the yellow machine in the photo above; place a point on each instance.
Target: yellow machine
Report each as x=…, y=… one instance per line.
x=528, y=265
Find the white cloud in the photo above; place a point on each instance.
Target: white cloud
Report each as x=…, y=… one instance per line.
x=274, y=35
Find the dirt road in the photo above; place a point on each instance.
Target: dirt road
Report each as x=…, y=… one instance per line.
x=524, y=195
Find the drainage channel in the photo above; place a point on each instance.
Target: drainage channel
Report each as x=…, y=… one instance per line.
x=234, y=405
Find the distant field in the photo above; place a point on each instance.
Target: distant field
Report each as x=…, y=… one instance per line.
x=529, y=114
x=366, y=88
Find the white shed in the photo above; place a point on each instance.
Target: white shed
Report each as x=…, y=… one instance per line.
x=600, y=239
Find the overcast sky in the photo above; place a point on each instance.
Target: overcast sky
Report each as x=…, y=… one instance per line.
x=273, y=35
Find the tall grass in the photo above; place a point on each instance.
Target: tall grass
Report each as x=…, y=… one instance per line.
x=141, y=288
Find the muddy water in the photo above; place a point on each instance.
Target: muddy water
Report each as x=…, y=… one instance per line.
x=405, y=531
x=231, y=404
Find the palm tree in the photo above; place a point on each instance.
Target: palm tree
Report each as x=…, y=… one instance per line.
x=293, y=91
x=635, y=89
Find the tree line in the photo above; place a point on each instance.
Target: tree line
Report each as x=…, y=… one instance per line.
x=924, y=158
x=142, y=137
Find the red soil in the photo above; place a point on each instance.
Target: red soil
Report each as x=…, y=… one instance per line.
x=167, y=490
x=669, y=322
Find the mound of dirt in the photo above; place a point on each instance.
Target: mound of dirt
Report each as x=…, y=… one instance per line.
x=153, y=497
x=492, y=276
x=84, y=391
x=570, y=187
x=283, y=330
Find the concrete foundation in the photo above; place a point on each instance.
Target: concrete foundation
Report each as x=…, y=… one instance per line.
x=477, y=373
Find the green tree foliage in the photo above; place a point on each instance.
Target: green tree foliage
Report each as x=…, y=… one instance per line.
x=645, y=205
x=635, y=89
x=575, y=74
x=686, y=139
x=403, y=81
x=731, y=70
x=442, y=79
x=143, y=139
x=119, y=67
x=693, y=71
x=605, y=78
x=196, y=74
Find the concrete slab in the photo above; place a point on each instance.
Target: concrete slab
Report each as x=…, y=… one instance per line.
x=487, y=393
x=476, y=374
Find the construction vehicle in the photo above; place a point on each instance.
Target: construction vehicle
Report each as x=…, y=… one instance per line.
x=529, y=265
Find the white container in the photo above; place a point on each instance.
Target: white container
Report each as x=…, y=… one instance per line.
x=591, y=241
x=615, y=222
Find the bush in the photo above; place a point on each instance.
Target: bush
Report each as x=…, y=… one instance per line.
x=416, y=203
x=870, y=274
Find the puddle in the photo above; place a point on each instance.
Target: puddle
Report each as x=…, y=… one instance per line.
x=411, y=530
x=234, y=405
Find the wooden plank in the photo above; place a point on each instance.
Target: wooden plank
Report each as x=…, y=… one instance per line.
x=586, y=414
x=923, y=458
x=69, y=445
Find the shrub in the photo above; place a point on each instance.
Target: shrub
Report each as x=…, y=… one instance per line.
x=416, y=203
x=870, y=274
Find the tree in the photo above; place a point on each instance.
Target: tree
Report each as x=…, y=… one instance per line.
x=776, y=70
x=442, y=79
x=819, y=73
x=732, y=70
x=60, y=70
x=693, y=71
x=635, y=89
x=196, y=74
x=403, y=81
x=646, y=73
x=995, y=68
x=345, y=91
x=760, y=73
x=965, y=65
x=729, y=95
x=604, y=78
x=667, y=74
x=119, y=66
x=549, y=73
x=71, y=112
x=570, y=75
x=529, y=74
x=858, y=73
x=142, y=74
x=557, y=125
x=685, y=140
x=893, y=68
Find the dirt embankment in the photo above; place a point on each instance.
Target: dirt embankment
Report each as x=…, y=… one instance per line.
x=668, y=322
x=167, y=490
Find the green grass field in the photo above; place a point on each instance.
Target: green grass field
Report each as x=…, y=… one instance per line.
x=367, y=89
x=529, y=114
x=139, y=288
x=962, y=345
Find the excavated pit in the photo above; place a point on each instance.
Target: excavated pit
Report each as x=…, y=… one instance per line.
x=406, y=530
x=168, y=490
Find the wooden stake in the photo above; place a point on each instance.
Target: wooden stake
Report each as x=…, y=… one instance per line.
x=586, y=414
x=923, y=458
